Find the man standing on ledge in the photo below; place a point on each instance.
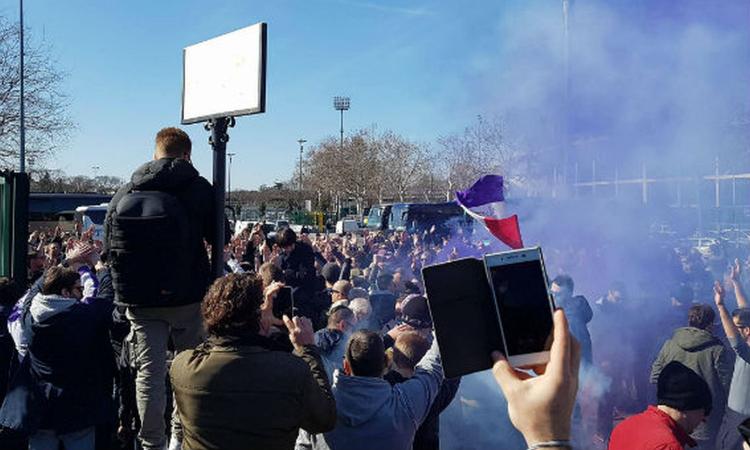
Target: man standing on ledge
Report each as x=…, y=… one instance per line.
x=154, y=235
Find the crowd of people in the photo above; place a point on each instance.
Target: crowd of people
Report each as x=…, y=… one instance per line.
x=325, y=341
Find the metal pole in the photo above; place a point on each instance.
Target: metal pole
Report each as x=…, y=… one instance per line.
x=21, y=117
x=566, y=90
x=218, y=141
x=301, y=143
x=342, y=128
x=229, y=180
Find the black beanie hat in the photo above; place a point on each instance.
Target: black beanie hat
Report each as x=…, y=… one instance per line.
x=415, y=311
x=681, y=388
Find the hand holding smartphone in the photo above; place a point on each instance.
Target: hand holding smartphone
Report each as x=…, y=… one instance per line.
x=518, y=280
x=500, y=302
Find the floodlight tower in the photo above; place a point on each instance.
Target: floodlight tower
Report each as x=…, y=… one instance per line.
x=341, y=104
x=301, y=143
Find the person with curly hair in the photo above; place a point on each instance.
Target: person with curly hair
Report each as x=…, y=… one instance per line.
x=239, y=389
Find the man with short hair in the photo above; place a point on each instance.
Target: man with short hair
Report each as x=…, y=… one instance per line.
x=578, y=311
x=698, y=349
x=340, y=293
x=383, y=300
x=408, y=349
x=332, y=340
x=298, y=263
x=372, y=414
x=683, y=402
x=239, y=389
x=161, y=272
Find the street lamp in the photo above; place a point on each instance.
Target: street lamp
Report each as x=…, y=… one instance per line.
x=341, y=104
x=21, y=111
x=301, y=143
x=229, y=179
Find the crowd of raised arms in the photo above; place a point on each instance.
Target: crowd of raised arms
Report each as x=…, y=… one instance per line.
x=325, y=341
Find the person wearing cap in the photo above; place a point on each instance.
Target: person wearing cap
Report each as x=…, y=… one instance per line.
x=683, y=402
x=415, y=315
x=737, y=328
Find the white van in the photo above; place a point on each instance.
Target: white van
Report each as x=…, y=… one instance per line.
x=347, y=226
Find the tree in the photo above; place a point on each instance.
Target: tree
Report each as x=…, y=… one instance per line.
x=482, y=149
x=46, y=106
x=402, y=164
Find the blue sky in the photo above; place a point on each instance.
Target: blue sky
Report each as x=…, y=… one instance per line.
x=656, y=77
x=404, y=64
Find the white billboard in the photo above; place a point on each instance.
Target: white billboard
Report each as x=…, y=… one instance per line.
x=225, y=76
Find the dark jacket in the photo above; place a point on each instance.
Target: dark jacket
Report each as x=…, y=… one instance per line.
x=299, y=267
x=704, y=353
x=579, y=314
x=299, y=273
x=179, y=178
x=428, y=434
x=240, y=393
x=69, y=363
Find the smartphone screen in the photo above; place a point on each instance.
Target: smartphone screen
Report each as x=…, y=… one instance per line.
x=523, y=302
x=283, y=303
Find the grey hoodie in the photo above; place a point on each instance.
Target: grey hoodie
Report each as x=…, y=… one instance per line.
x=372, y=414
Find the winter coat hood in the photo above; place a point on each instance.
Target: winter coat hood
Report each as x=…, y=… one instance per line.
x=359, y=399
x=165, y=174
x=693, y=339
x=45, y=306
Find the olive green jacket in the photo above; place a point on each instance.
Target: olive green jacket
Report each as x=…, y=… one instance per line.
x=241, y=393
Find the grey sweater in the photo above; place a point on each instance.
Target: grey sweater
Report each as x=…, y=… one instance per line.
x=739, y=392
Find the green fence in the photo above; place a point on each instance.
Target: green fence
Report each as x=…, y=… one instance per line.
x=14, y=213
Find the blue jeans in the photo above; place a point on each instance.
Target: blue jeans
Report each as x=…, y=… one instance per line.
x=49, y=440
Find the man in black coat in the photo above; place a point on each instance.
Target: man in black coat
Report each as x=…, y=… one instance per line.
x=162, y=316
x=298, y=263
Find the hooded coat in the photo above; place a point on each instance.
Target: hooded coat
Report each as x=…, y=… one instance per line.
x=372, y=414
x=179, y=178
x=705, y=354
x=69, y=367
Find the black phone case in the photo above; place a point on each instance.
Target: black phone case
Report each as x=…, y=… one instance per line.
x=467, y=326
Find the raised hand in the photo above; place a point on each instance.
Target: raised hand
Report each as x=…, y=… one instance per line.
x=300, y=332
x=541, y=407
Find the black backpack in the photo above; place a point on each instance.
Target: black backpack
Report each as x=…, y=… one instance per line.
x=149, y=249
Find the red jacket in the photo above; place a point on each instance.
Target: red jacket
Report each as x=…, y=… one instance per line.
x=650, y=430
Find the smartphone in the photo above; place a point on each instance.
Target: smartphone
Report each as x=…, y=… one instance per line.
x=283, y=303
x=524, y=304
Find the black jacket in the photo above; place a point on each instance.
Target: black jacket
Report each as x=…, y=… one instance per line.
x=179, y=178
x=299, y=267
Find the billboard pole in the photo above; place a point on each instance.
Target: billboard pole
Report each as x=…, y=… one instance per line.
x=218, y=140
